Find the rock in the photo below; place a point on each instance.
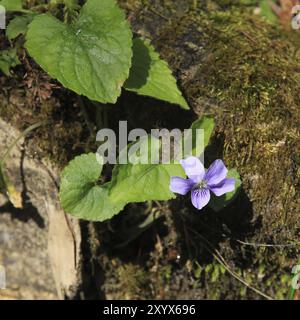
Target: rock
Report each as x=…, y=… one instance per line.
x=40, y=244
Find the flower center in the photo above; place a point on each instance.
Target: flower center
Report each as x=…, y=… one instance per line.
x=202, y=184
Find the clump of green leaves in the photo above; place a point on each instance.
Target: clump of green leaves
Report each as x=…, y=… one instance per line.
x=92, y=51
x=8, y=60
x=83, y=196
x=91, y=55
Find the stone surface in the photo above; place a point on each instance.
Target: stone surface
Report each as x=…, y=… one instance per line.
x=39, y=243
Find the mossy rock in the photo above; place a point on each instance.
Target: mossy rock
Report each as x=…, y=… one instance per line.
x=245, y=71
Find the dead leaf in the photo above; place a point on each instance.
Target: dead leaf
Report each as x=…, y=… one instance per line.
x=15, y=197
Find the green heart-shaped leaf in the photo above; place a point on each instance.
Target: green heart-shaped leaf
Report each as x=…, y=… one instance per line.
x=207, y=124
x=151, y=76
x=8, y=59
x=81, y=196
x=18, y=25
x=91, y=56
x=137, y=182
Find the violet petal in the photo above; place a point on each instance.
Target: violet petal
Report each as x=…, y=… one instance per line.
x=180, y=185
x=225, y=186
x=200, y=198
x=216, y=172
x=193, y=168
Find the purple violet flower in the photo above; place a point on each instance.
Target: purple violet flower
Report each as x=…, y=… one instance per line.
x=201, y=183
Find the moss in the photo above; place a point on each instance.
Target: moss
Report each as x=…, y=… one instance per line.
x=215, y=278
x=134, y=282
x=30, y=96
x=131, y=282
x=247, y=74
x=245, y=71
x=249, y=77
